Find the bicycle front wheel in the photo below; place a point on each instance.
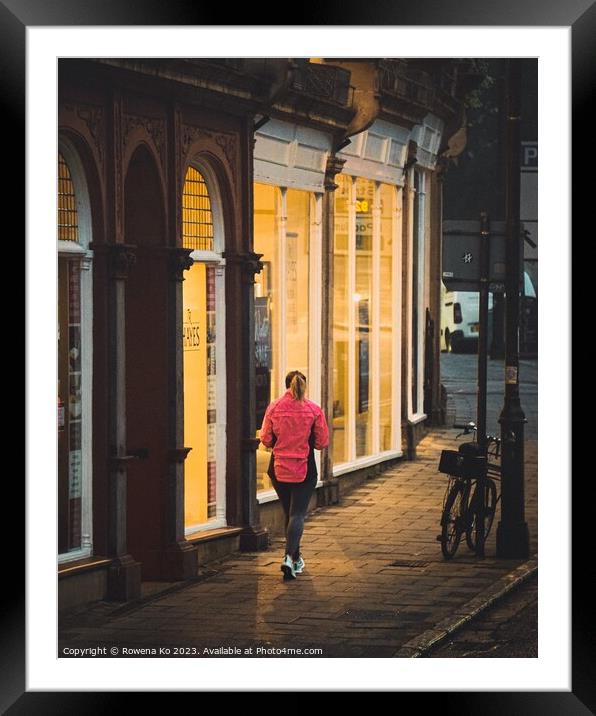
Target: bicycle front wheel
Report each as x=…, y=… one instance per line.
x=452, y=521
x=490, y=505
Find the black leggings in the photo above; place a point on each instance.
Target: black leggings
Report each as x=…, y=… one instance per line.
x=294, y=497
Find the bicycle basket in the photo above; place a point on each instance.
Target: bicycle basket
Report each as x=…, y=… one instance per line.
x=457, y=464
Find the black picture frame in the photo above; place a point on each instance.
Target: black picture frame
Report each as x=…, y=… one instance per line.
x=580, y=16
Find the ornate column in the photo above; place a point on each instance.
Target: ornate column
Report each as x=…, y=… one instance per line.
x=330, y=492
x=124, y=575
x=180, y=556
x=253, y=537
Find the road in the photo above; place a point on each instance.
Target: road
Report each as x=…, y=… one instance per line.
x=508, y=629
x=459, y=375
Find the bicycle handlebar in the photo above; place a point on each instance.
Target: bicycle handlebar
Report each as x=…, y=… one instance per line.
x=471, y=427
x=465, y=426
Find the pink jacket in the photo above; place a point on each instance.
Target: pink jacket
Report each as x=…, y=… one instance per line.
x=288, y=423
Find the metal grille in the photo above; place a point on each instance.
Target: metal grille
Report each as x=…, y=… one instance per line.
x=68, y=229
x=408, y=563
x=197, y=218
x=370, y=615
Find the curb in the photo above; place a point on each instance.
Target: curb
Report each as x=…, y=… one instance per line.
x=420, y=645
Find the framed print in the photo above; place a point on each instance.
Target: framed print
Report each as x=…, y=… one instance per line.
x=185, y=209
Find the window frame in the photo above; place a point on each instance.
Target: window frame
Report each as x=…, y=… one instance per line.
x=423, y=243
x=80, y=250
x=216, y=260
x=377, y=456
x=315, y=243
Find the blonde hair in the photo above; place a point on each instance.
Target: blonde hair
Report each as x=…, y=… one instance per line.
x=296, y=382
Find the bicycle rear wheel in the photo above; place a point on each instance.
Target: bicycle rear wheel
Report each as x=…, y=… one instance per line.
x=490, y=505
x=451, y=519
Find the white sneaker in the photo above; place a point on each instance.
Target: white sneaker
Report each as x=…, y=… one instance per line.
x=299, y=565
x=287, y=567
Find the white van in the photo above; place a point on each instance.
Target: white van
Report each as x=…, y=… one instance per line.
x=459, y=319
x=460, y=316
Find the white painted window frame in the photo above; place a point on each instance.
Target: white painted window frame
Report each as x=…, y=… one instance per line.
x=80, y=249
x=418, y=416
x=214, y=258
x=397, y=236
x=315, y=259
x=315, y=307
x=396, y=449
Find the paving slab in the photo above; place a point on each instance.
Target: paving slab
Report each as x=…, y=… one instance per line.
x=352, y=600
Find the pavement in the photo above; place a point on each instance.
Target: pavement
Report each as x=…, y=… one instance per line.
x=375, y=583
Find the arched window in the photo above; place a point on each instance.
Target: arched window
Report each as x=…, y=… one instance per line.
x=74, y=359
x=197, y=216
x=68, y=224
x=203, y=334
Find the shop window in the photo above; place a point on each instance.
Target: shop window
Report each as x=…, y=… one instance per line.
x=282, y=219
x=199, y=337
x=417, y=295
x=363, y=306
x=197, y=217
x=74, y=369
x=341, y=319
x=68, y=223
x=387, y=381
x=364, y=315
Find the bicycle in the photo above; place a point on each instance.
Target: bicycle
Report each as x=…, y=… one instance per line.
x=465, y=467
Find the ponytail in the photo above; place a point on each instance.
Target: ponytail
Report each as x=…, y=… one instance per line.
x=296, y=382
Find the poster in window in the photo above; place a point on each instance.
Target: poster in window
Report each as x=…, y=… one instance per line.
x=262, y=356
x=363, y=375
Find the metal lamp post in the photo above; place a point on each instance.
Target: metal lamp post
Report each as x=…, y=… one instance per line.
x=512, y=533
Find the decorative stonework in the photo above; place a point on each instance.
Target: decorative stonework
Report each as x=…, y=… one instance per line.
x=191, y=134
x=249, y=263
x=179, y=261
x=228, y=143
x=121, y=260
x=93, y=117
x=154, y=127
x=334, y=166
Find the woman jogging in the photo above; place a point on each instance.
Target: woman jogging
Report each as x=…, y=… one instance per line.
x=294, y=426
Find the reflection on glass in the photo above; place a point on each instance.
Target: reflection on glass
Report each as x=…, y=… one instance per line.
x=271, y=329
x=341, y=319
x=385, y=316
x=297, y=280
x=362, y=305
x=70, y=404
x=417, y=280
x=266, y=241
x=199, y=336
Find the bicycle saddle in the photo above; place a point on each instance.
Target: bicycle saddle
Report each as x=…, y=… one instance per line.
x=471, y=448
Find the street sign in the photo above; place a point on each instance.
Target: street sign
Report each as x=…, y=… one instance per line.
x=461, y=255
